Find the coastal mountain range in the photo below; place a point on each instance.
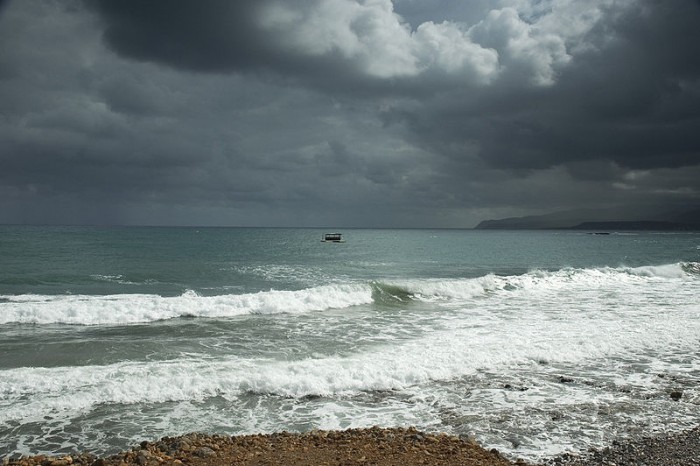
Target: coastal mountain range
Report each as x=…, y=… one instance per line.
x=609, y=219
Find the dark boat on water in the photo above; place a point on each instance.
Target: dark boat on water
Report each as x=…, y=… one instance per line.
x=333, y=238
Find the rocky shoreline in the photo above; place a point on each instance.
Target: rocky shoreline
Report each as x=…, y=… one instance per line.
x=373, y=446
x=678, y=449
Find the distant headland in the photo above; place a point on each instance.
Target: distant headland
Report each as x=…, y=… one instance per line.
x=685, y=220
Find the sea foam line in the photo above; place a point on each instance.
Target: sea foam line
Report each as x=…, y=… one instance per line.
x=140, y=308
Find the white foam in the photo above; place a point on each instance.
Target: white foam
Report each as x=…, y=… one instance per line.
x=673, y=271
x=139, y=308
x=136, y=308
x=542, y=280
x=483, y=338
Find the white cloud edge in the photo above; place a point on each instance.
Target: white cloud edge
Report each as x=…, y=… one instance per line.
x=373, y=38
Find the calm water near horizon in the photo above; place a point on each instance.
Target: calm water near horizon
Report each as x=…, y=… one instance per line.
x=534, y=342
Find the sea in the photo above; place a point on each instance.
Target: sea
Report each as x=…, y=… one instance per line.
x=535, y=343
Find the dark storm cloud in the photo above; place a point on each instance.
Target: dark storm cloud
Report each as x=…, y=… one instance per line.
x=366, y=113
x=338, y=46
x=216, y=35
x=221, y=36
x=632, y=99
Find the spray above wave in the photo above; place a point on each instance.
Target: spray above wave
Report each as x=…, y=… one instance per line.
x=141, y=308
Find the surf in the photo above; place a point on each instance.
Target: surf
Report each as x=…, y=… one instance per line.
x=142, y=308
x=126, y=309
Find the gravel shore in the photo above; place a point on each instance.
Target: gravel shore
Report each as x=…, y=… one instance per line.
x=681, y=449
x=374, y=446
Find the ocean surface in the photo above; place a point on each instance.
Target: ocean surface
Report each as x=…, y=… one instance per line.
x=532, y=342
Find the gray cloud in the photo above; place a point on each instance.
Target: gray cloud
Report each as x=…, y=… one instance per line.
x=409, y=113
x=622, y=100
x=216, y=35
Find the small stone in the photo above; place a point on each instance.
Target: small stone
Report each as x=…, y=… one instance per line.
x=676, y=395
x=60, y=462
x=204, y=452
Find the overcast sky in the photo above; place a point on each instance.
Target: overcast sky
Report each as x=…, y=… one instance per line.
x=367, y=113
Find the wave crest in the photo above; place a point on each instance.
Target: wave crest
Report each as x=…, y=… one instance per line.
x=439, y=290
x=141, y=308
x=691, y=268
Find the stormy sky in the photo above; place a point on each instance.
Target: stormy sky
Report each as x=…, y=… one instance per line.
x=366, y=113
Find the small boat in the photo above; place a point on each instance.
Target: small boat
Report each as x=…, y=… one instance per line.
x=333, y=238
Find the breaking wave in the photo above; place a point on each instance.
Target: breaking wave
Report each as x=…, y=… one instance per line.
x=537, y=280
x=140, y=308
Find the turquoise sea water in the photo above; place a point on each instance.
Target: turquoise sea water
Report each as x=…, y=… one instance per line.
x=534, y=342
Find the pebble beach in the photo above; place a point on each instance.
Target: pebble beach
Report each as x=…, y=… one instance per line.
x=372, y=446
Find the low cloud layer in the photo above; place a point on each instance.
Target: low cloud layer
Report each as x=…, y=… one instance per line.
x=344, y=112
